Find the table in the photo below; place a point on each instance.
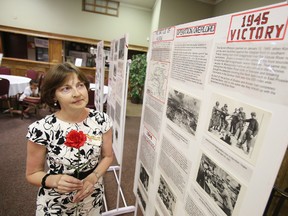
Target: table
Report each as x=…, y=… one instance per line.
x=17, y=83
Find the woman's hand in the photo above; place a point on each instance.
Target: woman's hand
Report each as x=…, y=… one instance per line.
x=66, y=184
x=87, y=189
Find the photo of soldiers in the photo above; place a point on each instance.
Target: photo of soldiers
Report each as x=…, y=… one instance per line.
x=229, y=123
x=218, y=184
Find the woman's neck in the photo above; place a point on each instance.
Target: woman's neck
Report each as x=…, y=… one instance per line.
x=74, y=116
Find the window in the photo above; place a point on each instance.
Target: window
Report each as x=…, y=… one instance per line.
x=101, y=6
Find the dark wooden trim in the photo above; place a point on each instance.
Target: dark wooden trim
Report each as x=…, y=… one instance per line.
x=36, y=33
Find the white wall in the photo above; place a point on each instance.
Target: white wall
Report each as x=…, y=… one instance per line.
x=174, y=12
x=156, y=15
x=232, y=6
x=183, y=11
x=66, y=17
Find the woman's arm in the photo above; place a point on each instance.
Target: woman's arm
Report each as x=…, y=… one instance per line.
x=106, y=161
x=107, y=155
x=35, y=165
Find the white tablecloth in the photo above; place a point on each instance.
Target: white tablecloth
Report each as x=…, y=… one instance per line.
x=17, y=83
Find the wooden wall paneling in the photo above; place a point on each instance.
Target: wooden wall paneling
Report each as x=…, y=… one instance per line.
x=20, y=66
x=92, y=71
x=64, y=37
x=88, y=70
x=55, y=51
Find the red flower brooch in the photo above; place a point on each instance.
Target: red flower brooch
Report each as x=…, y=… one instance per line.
x=75, y=139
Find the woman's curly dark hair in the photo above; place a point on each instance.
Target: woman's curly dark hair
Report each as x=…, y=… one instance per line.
x=55, y=78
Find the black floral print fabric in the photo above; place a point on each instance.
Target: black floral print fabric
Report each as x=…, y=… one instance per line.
x=51, y=132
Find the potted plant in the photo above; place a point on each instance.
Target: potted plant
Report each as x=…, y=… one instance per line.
x=137, y=77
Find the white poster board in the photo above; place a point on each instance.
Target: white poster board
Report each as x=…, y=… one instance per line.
x=213, y=130
x=99, y=76
x=117, y=92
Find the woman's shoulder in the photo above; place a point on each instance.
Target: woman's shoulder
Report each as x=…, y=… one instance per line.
x=48, y=120
x=94, y=112
x=98, y=116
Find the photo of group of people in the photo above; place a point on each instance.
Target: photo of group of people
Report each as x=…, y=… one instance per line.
x=166, y=195
x=218, y=184
x=122, y=44
x=144, y=177
x=141, y=198
x=183, y=110
x=235, y=123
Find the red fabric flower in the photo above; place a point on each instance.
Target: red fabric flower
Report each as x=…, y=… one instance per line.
x=75, y=139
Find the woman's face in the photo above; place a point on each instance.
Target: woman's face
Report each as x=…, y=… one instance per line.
x=72, y=95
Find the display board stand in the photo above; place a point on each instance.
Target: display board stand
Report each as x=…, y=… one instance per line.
x=126, y=209
x=118, y=210
x=213, y=130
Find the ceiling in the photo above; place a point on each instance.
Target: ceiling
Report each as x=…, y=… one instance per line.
x=150, y=3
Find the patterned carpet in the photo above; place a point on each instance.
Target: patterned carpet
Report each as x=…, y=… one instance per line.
x=133, y=109
x=18, y=197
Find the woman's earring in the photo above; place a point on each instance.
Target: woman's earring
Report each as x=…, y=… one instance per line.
x=55, y=103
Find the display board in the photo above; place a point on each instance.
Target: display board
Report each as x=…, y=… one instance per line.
x=117, y=92
x=99, y=76
x=213, y=130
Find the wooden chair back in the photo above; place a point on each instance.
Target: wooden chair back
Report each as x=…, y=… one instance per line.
x=5, y=70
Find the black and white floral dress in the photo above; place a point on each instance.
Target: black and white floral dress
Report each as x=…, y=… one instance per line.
x=51, y=132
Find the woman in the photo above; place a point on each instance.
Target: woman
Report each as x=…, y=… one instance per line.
x=65, y=190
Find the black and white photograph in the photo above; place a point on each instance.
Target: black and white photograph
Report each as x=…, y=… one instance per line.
x=144, y=177
x=142, y=201
x=115, y=53
x=166, y=196
x=121, y=48
x=183, y=110
x=114, y=72
x=99, y=53
x=111, y=54
x=116, y=46
x=236, y=124
x=222, y=188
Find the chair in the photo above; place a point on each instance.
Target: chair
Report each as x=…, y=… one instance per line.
x=32, y=102
x=40, y=80
x=5, y=70
x=90, y=78
x=4, y=93
x=91, y=95
x=32, y=74
x=276, y=201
